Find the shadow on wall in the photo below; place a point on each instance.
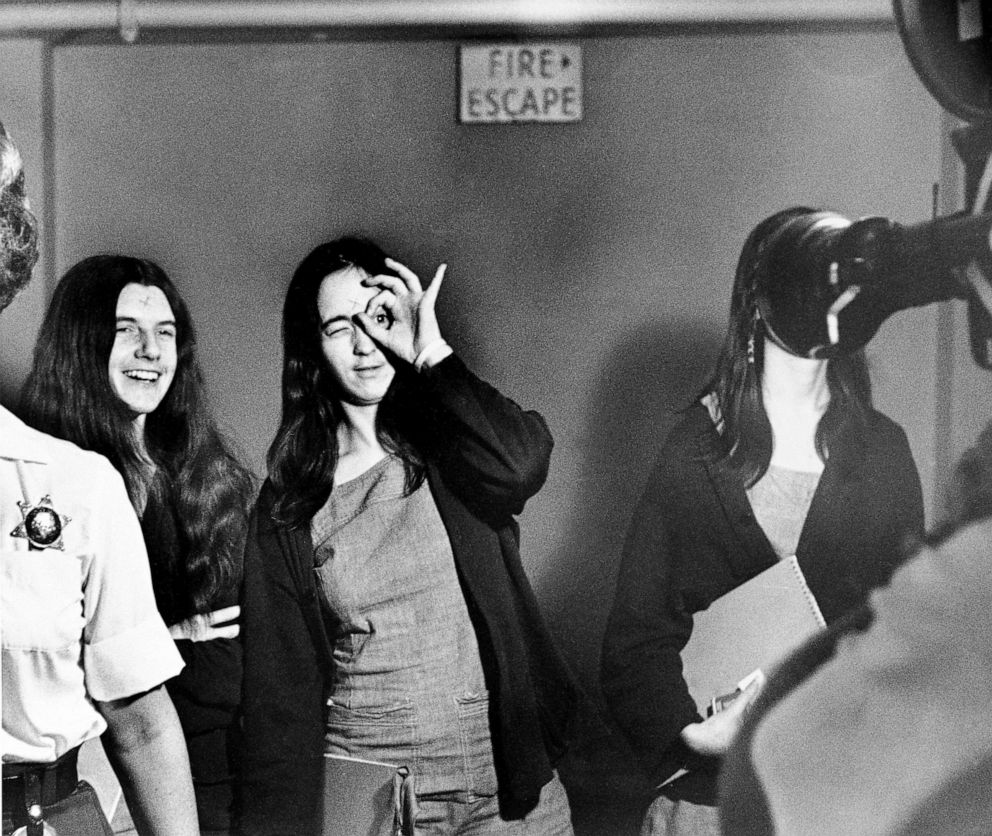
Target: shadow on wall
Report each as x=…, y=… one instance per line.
x=646, y=381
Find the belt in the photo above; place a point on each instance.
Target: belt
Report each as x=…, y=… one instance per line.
x=29, y=784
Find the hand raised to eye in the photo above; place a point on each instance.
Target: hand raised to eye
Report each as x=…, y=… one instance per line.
x=401, y=317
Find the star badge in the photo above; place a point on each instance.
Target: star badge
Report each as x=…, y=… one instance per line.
x=41, y=525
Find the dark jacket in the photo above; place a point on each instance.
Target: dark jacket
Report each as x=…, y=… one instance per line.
x=485, y=457
x=207, y=692
x=694, y=537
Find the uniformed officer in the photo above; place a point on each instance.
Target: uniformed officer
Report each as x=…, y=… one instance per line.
x=84, y=649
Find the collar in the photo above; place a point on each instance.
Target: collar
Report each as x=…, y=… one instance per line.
x=20, y=442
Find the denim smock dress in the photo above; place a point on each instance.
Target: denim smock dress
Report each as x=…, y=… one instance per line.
x=408, y=686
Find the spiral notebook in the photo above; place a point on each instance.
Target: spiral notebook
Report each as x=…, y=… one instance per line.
x=753, y=626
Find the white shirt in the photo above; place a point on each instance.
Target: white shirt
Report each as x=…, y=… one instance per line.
x=78, y=624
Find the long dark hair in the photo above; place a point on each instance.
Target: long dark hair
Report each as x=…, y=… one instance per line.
x=304, y=453
x=68, y=394
x=736, y=382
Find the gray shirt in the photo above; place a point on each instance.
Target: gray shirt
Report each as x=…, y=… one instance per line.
x=408, y=682
x=780, y=500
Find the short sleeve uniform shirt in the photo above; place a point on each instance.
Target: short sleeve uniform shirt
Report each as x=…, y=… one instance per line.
x=78, y=623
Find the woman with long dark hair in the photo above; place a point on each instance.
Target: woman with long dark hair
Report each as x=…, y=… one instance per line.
x=386, y=614
x=115, y=371
x=780, y=455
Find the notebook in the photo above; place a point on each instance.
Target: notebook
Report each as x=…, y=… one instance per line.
x=753, y=626
x=362, y=797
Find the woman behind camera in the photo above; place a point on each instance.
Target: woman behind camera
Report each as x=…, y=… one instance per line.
x=115, y=371
x=781, y=455
x=386, y=612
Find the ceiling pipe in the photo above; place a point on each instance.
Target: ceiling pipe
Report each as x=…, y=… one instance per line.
x=39, y=18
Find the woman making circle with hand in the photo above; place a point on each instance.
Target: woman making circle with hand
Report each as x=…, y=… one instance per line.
x=115, y=371
x=781, y=455
x=386, y=613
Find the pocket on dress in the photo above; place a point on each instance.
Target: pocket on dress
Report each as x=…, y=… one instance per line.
x=384, y=732
x=477, y=744
x=393, y=714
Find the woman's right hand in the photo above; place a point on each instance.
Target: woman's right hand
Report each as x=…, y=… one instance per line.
x=412, y=325
x=714, y=735
x=200, y=628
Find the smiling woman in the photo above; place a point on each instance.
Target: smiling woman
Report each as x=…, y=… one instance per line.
x=115, y=371
x=143, y=356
